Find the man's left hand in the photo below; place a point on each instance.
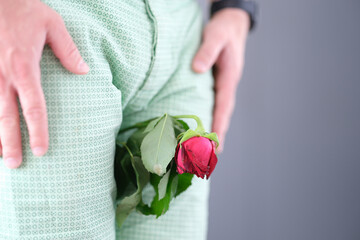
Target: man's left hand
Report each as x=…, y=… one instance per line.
x=223, y=46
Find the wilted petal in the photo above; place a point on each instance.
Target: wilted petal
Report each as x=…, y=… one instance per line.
x=199, y=171
x=180, y=170
x=188, y=163
x=179, y=159
x=212, y=163
x=197, y=156
x=200, y=147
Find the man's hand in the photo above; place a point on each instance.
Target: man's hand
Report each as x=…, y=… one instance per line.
x=224, y=40
x=25, y=27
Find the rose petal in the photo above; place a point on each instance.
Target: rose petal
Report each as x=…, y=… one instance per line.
x=188, y=163
x=198, y=171
x=180, y=170
x=200, y=147
x=179, y=157
x=213, y=162
x=197, y=156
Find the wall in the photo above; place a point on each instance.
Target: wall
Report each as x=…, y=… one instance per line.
x=291, y=165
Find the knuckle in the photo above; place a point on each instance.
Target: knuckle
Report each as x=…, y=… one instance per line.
x=207, y=54
x=20, y=65
x=215, y=34
x=29, y=93
x=22, y=72
x=11, y=147
x=210, y=50
x=206, y=57
x=8, y=121
x=56, y=18
x=71, y=54
x=35, y=114
x=72, y=51
x=4, y=88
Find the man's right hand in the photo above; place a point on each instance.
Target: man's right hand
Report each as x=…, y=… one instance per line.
x=25, y=27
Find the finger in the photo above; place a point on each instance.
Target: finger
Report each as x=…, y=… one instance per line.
x=225, y=94
x=208, y=52
x=63, y=46
x=224, y=105
x=10, y=129
x=0, y=147
x=26, y=79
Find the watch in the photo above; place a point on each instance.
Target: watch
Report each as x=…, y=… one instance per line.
x=248, y=6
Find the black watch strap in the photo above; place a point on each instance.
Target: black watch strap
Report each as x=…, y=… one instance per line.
x=248, y=6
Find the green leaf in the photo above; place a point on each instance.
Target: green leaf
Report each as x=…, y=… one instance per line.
x=180, y=128
x=128, y=168
x=123, y=170
x=127, y=182
x=135, y=140
x=174, y=186
x=129, y=203
x=158, y=146
x=151, y=125
x=179, y=136
x=157, y=205
x=177, y=183
x=189, y=134
x=126, y=206
x=160, y=206
x=124, y=174
x=184, y=181
x=142, y=175
x=184, y=124
x=144, y=209
x=163, y=185
x=212, y=136
x=180, y=125
x=137, y=125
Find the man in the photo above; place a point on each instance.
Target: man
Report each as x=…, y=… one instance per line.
x=139, y=67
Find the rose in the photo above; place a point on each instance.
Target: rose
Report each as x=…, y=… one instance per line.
x=159, y=152
x=197, y=156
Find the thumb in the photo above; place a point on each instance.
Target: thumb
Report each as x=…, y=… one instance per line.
x=207, y=53
x=64, y=47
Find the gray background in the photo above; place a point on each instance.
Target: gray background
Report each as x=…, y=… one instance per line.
x=291, y=165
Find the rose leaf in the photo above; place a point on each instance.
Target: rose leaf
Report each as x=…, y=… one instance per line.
x=184, y=181
x=163, y=185
x=129, y=203
x=158, y=146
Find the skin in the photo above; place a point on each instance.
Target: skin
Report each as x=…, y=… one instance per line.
x=223, y=48
x=27, y=25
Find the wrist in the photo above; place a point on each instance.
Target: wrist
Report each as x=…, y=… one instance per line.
x=234, y=19
x=248, y=6
x=243, y=18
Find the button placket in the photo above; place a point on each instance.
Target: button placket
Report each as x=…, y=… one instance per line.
x=146, y=90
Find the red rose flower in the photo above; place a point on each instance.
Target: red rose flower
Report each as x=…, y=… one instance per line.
x=197, y=156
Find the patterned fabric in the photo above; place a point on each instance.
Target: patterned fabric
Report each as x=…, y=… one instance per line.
x=139, y=53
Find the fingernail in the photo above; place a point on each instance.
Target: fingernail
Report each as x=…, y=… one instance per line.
x=200, y=66
x=39, y=151
x=12, y=163
x=83, y=67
